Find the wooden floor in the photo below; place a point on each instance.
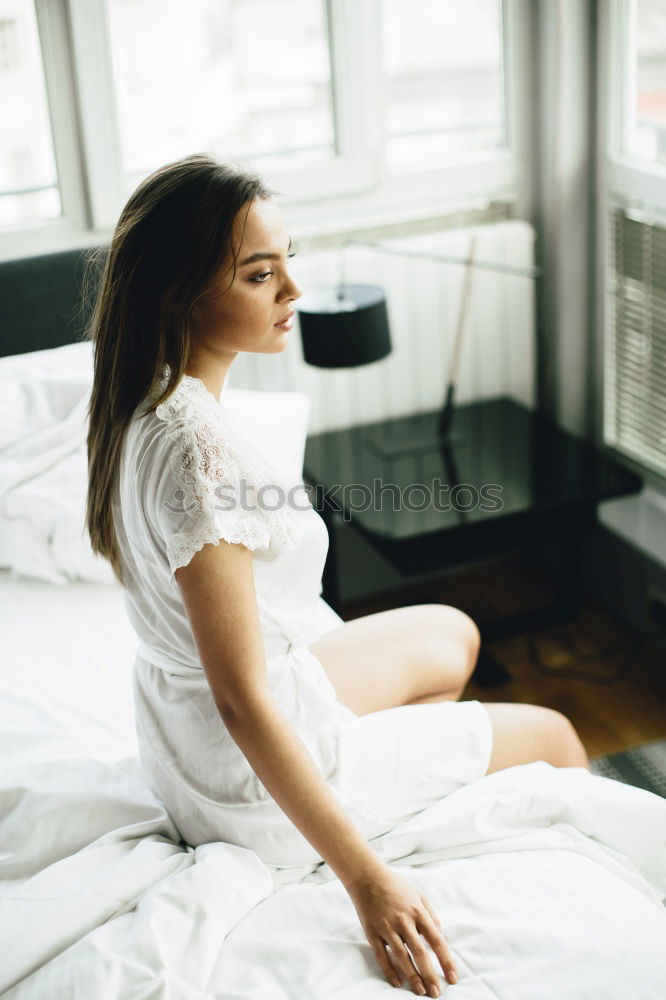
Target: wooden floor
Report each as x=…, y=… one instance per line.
x=610, y=683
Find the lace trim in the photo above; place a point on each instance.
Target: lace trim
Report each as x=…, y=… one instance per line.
x=203, y=462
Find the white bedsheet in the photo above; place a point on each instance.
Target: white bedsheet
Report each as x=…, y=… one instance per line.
x=549, y=882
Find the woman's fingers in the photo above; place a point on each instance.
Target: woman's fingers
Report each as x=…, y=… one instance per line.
x=403, y=962
x=379, y=949
x=413, y=961
x=437, y=942
x=425, y=974
x=426, y=903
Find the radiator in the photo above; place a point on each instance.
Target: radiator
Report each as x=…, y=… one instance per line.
x=423, y=297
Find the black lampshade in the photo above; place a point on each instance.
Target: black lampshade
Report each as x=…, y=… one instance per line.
x=344, y=326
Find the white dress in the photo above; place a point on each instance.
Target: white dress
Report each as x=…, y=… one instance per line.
x=180, y=486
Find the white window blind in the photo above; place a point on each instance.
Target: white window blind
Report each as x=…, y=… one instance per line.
x=635, y=342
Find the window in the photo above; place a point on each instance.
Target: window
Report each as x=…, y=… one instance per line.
x=635, y=382
x=8, y=44
x=245, y=79
x=28, y=186
x=632, y=234
x=444, y=81
x=645, y=87
x=336, y=103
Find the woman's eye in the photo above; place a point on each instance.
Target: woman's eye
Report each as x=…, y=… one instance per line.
x=260, y=277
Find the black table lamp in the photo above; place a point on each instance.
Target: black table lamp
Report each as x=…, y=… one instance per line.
x=344, y=327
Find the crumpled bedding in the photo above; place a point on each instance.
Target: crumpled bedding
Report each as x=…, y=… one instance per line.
x=549, y=882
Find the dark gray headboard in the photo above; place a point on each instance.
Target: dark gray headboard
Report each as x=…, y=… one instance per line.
x=40, y=301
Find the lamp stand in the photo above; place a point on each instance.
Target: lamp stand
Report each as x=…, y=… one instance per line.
x=426, y=432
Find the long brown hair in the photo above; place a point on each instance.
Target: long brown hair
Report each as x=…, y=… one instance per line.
x=172, y=236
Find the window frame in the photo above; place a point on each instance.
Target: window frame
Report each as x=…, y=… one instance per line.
x=626, y=176
x=72, y=228
x=622, y=181
x=336, y=197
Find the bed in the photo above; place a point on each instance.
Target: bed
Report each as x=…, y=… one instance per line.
x=548, y=881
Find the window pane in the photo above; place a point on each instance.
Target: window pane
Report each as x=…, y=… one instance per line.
x=646, y=127
x=244, y=79
x=28, y=183
x=444, y=81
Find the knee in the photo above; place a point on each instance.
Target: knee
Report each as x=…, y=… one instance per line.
x=526, y=733
x=562, y=744
x=455, y=624
x=471, y=638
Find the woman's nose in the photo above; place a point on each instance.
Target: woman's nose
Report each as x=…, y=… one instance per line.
x=294, y=292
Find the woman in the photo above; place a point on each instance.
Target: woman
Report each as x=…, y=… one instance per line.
x=263, y=719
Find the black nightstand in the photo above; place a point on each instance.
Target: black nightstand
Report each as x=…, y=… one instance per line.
x=511, y=477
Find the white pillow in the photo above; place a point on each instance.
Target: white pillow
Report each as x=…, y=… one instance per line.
x=55, y=362
x=276, y=423
x=43, y=470
x=43, y=466
x=40, y=387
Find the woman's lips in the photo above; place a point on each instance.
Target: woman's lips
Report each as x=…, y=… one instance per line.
x=287, y=323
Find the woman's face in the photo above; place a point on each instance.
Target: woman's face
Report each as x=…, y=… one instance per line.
x=242, y=316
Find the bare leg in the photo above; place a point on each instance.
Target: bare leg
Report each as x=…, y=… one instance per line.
x=525, y=733
x=424, y=652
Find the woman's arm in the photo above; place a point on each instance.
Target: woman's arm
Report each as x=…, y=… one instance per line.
x=218, y=592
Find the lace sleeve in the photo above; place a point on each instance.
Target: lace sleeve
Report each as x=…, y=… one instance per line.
x=209, y=491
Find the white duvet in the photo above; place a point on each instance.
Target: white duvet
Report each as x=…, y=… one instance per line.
x=549, y=882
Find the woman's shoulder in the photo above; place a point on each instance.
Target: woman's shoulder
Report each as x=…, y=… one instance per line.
x=188, y=405
x=205, y=480
x=189, y=413
x=198, y=439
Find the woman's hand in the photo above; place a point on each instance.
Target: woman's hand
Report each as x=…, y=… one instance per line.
x=394, y=913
